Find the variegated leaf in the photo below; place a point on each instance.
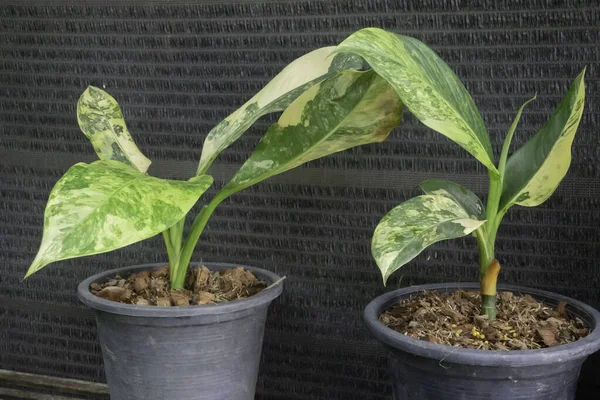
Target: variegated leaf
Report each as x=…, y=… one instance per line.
x=461, y=195
x=101, y=120
x=428, y=87
x=349, y=109
x=416, y=224
x=291, y=82
x=106, y=205
x=535, y=170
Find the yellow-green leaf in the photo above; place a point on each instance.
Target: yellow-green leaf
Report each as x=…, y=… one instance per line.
x=106, y=205
x=416, y=224
x=428, y=87
x=101, y=120
x=347, y=110
x=460, y=194
x=535, y=170
x=291, y=82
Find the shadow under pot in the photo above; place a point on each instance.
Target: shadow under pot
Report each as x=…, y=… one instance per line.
x=196, y=352
x=422, y=370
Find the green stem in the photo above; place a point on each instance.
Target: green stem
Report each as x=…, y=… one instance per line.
x=486, y=249
x=488, y=306
x=170, y=251
x=173, y=237
x=192, y=239
x=493, y=200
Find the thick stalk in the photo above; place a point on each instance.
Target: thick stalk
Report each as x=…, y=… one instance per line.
x=173, y=237
x=170, y=252
x=192, y=239
x=493, y=201
x=488, y=289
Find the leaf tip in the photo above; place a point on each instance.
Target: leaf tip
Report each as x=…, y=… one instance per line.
x=384, y=279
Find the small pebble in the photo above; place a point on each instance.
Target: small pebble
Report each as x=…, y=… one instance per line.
x=163, y=302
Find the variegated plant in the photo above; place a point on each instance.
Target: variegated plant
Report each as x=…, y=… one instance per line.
x=435, y=95
x=330, y=104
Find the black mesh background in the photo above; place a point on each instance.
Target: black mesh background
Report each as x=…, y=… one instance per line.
x=180, y=67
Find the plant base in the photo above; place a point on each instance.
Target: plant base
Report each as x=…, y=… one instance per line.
x=429, y=371
x=207, y=352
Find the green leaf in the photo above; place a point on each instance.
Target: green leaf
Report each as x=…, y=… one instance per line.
x=350, y=109
x=290, y=83
x=106, y=205
x=461, y=195
x=428, y=87
x=101, y=120
x=416, y=224
x=509, y=136
x=535, y=170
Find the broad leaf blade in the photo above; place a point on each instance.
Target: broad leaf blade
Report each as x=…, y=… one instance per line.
x=461, y=195
x=535, y=170
x=106, y=205
x=101, y=120
x=428, y=87
x=413, y=226
x=350, y=109
x=291, y=82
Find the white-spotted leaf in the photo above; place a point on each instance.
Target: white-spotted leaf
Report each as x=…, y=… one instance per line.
x=347, y=110
x=106, y=205
x=535, y=170
x=291, y=82
x=468, y=200
x=101, y=120
x=428, y=87
x=416, y=224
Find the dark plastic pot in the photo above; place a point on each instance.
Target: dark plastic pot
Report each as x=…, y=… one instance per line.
x=207, y=352
x=426, y=371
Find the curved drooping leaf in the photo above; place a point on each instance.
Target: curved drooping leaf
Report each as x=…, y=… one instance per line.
x=461, y=195
x=349, y=109
x=428, y=87
x=290, y=83
x=535, y=170
x=416, y=224
x=106, y=205
x=101, y=120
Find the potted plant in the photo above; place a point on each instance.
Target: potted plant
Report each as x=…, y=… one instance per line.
x=447, y=343
x=165, y=332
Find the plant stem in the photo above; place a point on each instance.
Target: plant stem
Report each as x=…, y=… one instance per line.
x=493, y=201
x=486, y=249
x=170, y=251
x=488, y=289
x=173, y=237
x=178, y=280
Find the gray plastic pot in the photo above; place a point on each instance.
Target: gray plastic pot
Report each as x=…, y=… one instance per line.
x=426, y=371
x=207, y=352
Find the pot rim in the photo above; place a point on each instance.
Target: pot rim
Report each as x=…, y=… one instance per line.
x=133, y=310
x=516, y=358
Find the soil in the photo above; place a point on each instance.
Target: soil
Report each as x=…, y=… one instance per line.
x=453, y=319
x=202, y=286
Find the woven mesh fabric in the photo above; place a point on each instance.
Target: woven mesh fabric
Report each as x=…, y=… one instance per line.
x=180, y=67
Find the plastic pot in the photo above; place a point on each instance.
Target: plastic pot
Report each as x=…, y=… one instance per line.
x=426, y=371
x=180, y=353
